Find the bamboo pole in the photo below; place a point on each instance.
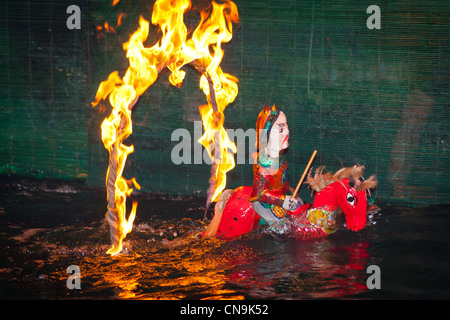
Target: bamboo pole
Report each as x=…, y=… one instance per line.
x=304, y=174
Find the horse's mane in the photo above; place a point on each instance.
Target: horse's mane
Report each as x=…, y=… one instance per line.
x=320, y=179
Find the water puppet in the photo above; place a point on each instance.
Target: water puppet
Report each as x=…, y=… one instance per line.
x=243, y=209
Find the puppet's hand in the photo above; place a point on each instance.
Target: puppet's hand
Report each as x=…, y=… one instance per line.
x=291, y=203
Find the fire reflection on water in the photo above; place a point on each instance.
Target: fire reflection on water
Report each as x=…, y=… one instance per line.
x=155, y=264
x=164, y=258
x=255, y=267
x=177, y=269
x=41, y=236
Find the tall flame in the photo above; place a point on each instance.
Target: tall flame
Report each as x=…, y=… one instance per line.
x=173, y=50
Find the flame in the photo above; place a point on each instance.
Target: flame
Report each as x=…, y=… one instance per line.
x=173, y=50
x=210, y=34
x=119, y=20
x=109, y=28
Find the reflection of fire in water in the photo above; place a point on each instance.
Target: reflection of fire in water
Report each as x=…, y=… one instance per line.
x=203, y=51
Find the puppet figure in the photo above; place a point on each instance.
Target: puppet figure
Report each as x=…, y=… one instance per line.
x=270, y=172
x=239, y=211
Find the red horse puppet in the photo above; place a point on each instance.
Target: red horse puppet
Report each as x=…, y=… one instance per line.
x=239, y=211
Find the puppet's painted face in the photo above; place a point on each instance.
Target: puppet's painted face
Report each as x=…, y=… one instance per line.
x=279, y=136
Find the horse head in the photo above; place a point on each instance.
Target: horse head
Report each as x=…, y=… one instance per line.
x=345, y=189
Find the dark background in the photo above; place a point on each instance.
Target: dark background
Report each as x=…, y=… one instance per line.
x=375, y=97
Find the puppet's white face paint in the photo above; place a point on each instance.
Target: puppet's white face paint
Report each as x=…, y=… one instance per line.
x=279, y=137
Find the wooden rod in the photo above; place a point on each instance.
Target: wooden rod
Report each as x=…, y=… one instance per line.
x=304, y=174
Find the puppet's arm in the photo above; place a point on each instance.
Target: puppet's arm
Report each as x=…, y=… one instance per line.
x=262, y=193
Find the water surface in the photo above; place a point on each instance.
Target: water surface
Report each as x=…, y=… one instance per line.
x=45, y=229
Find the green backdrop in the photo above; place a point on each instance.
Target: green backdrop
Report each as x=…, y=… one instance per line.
x=376, y=97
